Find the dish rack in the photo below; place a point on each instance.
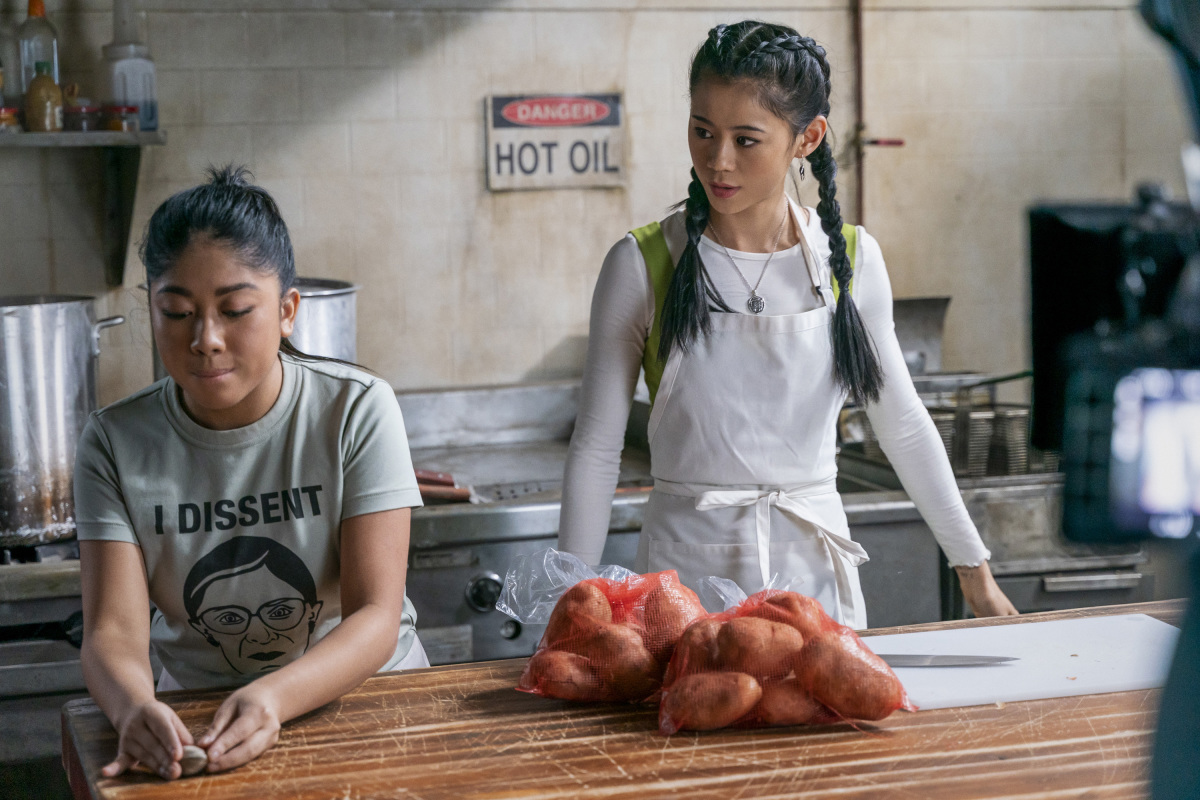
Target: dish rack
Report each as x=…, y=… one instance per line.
x=981, y=436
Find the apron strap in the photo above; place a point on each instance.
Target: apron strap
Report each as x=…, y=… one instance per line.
x=843, y=551
x=660, y=268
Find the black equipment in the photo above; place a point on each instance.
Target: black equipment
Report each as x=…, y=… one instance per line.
x=1116, y=358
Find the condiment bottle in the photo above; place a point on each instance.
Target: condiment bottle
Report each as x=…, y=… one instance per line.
x=81, y=115
x=9, y=116
x=43, y=102
x=130, y=75
x=9, y=123
x=39, y=42
x=120, y=118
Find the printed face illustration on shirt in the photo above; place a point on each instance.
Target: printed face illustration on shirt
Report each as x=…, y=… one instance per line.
x=255, y=600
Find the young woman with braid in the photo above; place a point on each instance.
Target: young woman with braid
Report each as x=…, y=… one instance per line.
x=755, y=319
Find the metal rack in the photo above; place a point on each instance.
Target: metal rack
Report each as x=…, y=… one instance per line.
x=982, y=436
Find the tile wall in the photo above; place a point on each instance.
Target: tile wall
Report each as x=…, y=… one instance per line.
x=1001, y=107
x=367, y=126
x=365, y=120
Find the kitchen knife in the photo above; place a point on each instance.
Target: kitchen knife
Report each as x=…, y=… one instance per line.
x=907, y=660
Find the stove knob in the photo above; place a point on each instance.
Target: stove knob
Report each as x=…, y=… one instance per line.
x=483, y=591
x=511, y=629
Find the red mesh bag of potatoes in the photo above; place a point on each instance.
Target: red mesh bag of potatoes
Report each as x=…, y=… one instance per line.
x=611, y=640
x=776, y=659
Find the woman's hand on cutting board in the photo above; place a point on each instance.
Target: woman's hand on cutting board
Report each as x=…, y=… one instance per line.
x=983, y=595
x=244, y=727
x=153, y=735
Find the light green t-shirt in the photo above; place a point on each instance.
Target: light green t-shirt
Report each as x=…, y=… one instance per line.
x=240, y=529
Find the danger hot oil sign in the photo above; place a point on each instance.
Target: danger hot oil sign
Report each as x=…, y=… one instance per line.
x=554, y=141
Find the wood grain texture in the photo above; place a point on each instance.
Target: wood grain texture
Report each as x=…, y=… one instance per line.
x=463, y=732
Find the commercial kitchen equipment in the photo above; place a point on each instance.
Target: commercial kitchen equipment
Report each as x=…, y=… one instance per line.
x=48, y=350
x=326, y=323
x=510, y=444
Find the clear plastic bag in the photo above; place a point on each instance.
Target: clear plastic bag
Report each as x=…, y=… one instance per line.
x=536, y=581
x=775, y=658
x=609, y=635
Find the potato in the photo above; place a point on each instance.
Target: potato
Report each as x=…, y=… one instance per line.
x=194, y=760
x=624, y=666
x=786, y=702
x=802, y=613
x=669, y=609
x=837, y=669
x=581, y=608
x=758, y=647
x=556, y=673
x=696, y=650
x=707, y=701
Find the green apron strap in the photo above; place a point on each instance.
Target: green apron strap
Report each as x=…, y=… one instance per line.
x=659, y=267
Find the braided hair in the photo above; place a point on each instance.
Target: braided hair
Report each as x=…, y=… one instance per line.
x=791, y=76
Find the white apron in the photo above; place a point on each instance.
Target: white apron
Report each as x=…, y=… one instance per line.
x=742, y=446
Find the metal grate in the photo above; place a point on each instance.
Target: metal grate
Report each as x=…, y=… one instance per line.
x=997, y=441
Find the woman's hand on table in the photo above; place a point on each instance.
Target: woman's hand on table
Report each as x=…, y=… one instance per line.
x=244, y=727
x=153, y=735
x=983, y=595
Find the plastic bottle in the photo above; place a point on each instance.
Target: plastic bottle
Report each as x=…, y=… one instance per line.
x=43, y=102
x=131, y=76
x=38, y=42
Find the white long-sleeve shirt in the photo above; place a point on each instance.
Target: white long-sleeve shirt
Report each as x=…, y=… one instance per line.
x=621, y=318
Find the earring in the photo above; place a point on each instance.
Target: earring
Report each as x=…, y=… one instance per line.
x=801, y=170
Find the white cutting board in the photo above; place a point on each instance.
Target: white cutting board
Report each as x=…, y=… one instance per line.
x=1062, y=658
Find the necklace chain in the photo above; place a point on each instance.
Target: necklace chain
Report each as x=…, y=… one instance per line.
x=756, y=303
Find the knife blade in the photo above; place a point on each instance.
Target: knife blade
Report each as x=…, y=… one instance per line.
x=913, y=660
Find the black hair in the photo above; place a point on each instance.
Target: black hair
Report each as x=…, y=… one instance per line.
x=243, y=554
x=230, y=210
x=790, y=74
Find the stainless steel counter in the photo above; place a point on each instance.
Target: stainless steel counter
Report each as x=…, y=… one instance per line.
x=1018, y=516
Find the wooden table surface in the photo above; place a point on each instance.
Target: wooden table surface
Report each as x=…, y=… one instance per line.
x=463, y=732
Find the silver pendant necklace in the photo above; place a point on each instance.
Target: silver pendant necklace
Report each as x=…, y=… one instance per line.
x=756, y=303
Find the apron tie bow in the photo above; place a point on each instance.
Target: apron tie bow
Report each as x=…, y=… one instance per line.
x=843, y=551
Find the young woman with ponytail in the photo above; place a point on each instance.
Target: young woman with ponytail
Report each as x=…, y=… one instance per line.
x=754, y=320
x=257, y=498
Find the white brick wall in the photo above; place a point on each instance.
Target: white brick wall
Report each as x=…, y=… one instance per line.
x=364, y=119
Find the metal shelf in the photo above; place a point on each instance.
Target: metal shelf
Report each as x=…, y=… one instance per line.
x=122, y=158
x=89, y=139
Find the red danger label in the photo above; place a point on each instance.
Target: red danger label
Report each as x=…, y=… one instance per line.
x=549, y=112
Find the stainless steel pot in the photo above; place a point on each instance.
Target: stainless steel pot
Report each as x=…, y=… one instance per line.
x=326, y=324
x=48, y=350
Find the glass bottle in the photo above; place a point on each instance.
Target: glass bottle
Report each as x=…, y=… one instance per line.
x=43, y=102
x=39, y=42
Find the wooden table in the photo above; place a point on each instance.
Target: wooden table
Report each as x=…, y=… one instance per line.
x=463, y=732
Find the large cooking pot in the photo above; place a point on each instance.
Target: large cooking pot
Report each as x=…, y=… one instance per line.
x=325, y=324
x=48, y=350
